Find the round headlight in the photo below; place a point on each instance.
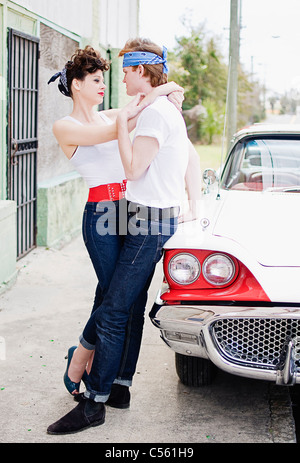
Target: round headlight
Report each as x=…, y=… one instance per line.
x=184, y=269
x=218, y=269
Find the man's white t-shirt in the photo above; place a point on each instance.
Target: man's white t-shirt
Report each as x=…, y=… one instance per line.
x=162, y=184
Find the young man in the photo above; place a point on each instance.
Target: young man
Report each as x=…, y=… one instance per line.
x=156, y=164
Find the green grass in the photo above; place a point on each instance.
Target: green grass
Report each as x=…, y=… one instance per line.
x=210, y=155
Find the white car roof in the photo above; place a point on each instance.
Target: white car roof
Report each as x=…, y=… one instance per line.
x=268, y=129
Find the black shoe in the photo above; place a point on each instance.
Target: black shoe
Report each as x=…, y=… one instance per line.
x=85, y=415
x=79, y=397
x=119, y=396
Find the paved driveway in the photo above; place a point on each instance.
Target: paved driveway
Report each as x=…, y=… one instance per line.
x=44, y=313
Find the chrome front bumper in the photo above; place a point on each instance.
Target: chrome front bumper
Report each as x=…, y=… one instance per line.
x=190, y=330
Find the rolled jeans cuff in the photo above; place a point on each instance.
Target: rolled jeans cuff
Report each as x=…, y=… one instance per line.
x=123, y=382
x=86, y=344
x=96, y=397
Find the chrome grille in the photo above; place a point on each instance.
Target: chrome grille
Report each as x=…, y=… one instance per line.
x=256, y=341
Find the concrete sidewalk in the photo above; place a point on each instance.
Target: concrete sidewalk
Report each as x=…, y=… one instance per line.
x=44, y=313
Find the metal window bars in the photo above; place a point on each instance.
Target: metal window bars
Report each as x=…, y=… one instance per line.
x=22, y=134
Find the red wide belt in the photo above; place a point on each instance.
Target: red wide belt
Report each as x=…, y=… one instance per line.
x=108, y=192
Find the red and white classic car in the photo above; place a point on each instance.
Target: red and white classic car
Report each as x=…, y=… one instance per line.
x=231, y=292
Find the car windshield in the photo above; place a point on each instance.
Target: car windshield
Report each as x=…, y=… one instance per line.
x=263, y=164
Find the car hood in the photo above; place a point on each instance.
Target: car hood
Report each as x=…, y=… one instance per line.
x=266, y=225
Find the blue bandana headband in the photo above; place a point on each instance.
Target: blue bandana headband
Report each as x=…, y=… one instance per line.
x=134, y=58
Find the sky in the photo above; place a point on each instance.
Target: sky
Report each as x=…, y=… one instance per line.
x=270, y=33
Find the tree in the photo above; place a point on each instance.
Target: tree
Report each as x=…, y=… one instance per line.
x=198, y=65
x=213, y=122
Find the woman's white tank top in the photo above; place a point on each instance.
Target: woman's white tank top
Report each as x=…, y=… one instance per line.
x=98, y=164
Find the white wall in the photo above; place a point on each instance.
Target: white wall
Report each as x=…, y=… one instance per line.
x=73, y=15
x=117, y=20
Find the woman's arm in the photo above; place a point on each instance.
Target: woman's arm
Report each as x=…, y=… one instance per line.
x=138, y=156
x=174, y=92
x=70, y=135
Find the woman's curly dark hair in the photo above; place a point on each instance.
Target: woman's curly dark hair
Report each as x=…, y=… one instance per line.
x=84, y=61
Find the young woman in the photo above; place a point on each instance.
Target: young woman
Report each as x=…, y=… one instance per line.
x=89, y=140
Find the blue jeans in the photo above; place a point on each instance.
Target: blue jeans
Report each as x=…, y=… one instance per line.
x=120, y=313
x=104, y=250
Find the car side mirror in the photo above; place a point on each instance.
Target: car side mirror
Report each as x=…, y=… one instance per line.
x=209, y=178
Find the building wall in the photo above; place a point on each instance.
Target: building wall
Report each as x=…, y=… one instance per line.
x=55, y=50
x=107, y=22
x=62, y=26
x=8, y=253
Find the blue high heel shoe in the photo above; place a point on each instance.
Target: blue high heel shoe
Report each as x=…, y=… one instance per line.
x=70, y=385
